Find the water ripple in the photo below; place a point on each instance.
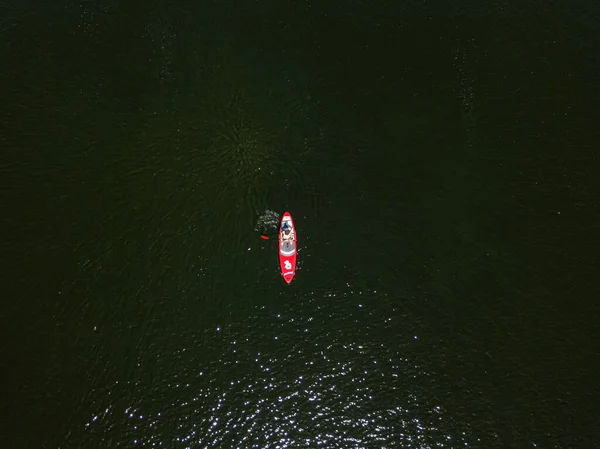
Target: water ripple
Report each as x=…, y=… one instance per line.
x=295, y=381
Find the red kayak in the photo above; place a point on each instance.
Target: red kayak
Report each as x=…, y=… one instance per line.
x=287, y=247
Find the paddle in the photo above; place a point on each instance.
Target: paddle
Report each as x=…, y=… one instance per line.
x=268, y=235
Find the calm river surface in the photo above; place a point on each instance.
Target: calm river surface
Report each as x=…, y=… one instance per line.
x=439, y=160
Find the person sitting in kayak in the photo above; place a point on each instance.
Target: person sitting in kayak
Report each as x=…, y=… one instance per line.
x=286, y=232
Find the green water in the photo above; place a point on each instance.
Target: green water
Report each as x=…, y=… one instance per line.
x=438, y=162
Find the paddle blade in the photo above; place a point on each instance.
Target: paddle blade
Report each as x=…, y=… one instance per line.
x=264, y=237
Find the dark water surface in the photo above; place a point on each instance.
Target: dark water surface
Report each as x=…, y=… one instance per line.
x=440, y=162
